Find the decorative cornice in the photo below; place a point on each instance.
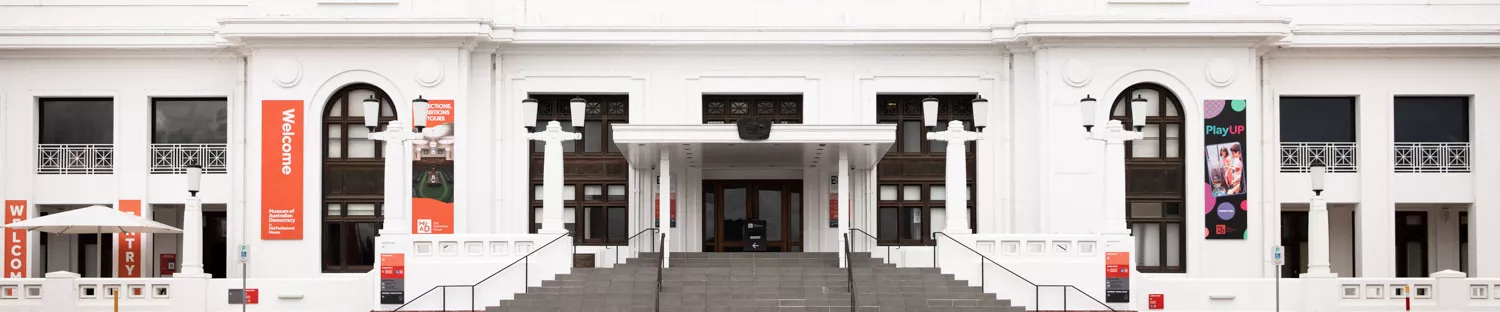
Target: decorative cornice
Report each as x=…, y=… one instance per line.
x=1128, y=31
x=751, y=35
x=1394, y=36
x=304, y=31
x=107, y=37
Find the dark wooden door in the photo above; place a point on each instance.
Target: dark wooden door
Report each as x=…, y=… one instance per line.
x=728, y=205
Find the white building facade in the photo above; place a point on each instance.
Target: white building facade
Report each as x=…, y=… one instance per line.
x=104, y=103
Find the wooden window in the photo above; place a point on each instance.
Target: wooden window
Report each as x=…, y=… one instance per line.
x=781, y=109
x=353, y=175
x=911, y=192
x=1154, y=180
x=596, y=198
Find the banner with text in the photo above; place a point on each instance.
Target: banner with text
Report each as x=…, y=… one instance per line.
x=1225, y=209
x=656, y=211
x=17, y=243
x=432, y=172
x=281, y=169
x=128, y=245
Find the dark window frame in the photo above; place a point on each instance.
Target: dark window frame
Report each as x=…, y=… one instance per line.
x=1173, y=168
x=346, y=246
x=1397, y=122
x=157, y=100
x=899, y=168
x=42, y=124
x=1290, y=126
x=607, y=110
x=779, y=108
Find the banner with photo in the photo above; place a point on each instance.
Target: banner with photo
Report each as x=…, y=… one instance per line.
x=1226, y=211
x=432, y=172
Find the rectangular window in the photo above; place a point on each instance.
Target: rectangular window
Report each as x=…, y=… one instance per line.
x=912, y=195
x=595, y=208
x=1432, y=119
x=189, y=121
x=76, y=121
x=1317, y=119
x=726, y=109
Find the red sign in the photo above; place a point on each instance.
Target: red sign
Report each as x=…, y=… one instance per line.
x=1116, y=265
x=1156, y=301
x=392, y=266
x=16, y=242
x=128, y=245
x=833, y=212
x=281, y=169
x=252, y=296
x=166, y=265
x=656, y=214
x=438, y=112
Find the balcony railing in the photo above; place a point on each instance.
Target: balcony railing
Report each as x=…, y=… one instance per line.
x=75, y=158
x=172, y=158
x=1336, y=156
x=1432, y=157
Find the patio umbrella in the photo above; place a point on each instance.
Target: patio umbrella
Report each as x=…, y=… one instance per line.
x=95, y=220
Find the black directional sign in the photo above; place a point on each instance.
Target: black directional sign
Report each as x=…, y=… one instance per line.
x=755, y=235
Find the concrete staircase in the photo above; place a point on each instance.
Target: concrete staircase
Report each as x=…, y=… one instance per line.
x=754, y=282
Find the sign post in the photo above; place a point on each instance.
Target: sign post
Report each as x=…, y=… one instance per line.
x=244, y=277
x=1278, y=254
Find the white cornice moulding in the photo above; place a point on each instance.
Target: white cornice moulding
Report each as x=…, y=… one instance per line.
x=298, y=30
x=1393, y=36
x=108, y=37
x=752, y=35
x=125, y=3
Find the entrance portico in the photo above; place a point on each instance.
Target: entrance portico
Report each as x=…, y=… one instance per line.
x=715, y=155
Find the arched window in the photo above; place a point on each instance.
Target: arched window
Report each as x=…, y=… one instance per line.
x=353, y=179
x=1154, y=191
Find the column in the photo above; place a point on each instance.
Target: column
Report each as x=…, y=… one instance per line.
x=843, y=205
x=192, y=237
x=1375, y=217
x=397, y=188
x=1114, y=138
x=1317, y=239
x=552, y=176
x=664, y=206
x=956, y=185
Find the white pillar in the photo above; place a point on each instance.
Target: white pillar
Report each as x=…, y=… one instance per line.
x=664, y=205
x=192, y=236
x=1114, y=136
x=1317, y=239
x=957, y=174
x=843, y=207
x=552, y=176
x=397, y=188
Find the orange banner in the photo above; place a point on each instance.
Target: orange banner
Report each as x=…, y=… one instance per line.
x=656, y=215
x=128, y=245
x=281, y=169
x=432, y=169
x=16, y=242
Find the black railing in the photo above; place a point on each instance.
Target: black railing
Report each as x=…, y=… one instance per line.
x=849, y=265
x=659, y=266
x=525, y=264
x=629, y=240
x=1037, y=289
x=877, y=244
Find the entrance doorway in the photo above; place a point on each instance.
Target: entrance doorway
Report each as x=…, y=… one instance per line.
x=728, y=205
x=1411, y=244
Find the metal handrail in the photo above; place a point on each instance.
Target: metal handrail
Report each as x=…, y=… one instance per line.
x=849, y=264
x=527, y=276
x=877, y=242
x=661, y=249
x=632, y=237
x=1037, y=289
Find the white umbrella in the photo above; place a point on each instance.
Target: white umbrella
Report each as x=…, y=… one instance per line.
x=95, y=220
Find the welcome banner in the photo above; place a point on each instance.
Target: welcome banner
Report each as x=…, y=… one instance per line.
x=16, y=241
x=1225, y=209
x=128, y=245
x=432, y=173
x=281, y=169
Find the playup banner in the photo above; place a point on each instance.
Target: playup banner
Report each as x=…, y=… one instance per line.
x=1225, y=208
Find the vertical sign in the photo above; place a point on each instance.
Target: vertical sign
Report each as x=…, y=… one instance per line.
x=1116, y=277
x=128, y=245
x=1225, y=210
x=16, y=241
x=167, y=265
x=833, y=202
x=392, y=278
x=432, y=173
x=281, y=169
x=1156, y=301
x=656, y=206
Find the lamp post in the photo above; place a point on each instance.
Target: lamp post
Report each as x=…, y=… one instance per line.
x=192, y=224
x=395, y=137
x=1317, y=224
x=956, y=183
x=1114, y=137
x=552, y=175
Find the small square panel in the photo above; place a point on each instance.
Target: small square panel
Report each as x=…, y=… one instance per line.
x=422, y=248
x=1421, y=291
x=473, y=248
x=1374, y=291
x=523, y=248
x=10, y=291
x=1010, y=247
x=110, y=291
x=1062, y=247
x=1036, y=248
x=88, y=291
x=1398, y=291
x=499, y=248
x=1086, y=248
x=135, y=291
x=449, y=248
x=33, y=291
x=1351, y=291
x=160, y=291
